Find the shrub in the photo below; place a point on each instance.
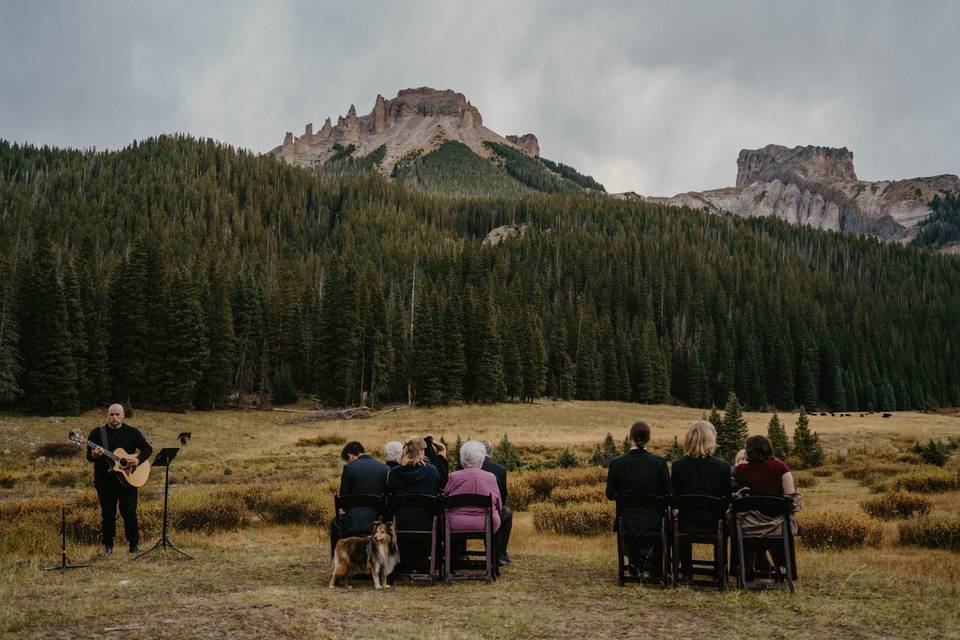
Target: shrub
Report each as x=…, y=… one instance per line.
x=941, y=532
x=934, y=453
x=822, y=472
x=63, y=477
x=321, y=441
x=506, y=455
x=897, y=504
x=519, y=492
x=8, y=480
x=567, y=460
x=861, y=468
x=299, y=503
x=58, y=450
x=806, y=443
x=220, y=511
x=589, y=519
x=604, y=453
x=539, y=484
x=578, y=494
x=838, y=530
x=924, y=480
x=804, y=479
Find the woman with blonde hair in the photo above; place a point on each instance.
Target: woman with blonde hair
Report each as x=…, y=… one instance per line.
x=414, y=475
x=700, y=473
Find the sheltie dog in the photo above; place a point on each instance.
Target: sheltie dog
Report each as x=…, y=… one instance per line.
x=376, y=554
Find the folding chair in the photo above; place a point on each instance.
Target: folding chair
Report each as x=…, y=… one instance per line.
x=687, y=513
x=785, y=571
x=489, y=564
x=342, y=503
x=655, y=504
x=418, y=567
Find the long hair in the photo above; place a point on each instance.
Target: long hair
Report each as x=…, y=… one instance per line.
x=758, y=449
x=414, y=451
x=701, y=440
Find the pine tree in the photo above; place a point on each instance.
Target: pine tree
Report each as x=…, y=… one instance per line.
x=506, y=455
x=426, y=355
x=181, y=346
x=604, y=453
x=96, y=329
x=9, y=337
x=675, y=452
x=806, y=443
x=282, y=387
x=734, y=432
x=453, y=456
x=216, y=380
x=489, y=371
x=778, y=437
x=533, y=358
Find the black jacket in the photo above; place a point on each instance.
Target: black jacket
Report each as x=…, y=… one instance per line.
x=124, y=437
x=708, y=476
x=422, y=479
x=366, y=475
x=640, y=472
x=498, y=470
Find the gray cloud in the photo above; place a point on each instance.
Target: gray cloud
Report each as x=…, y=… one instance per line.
x=653, y=97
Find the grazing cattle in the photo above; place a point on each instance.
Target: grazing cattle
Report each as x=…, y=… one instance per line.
x=888, y=415
x=823, y=413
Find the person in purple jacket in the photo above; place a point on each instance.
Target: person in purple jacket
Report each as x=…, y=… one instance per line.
x=472, y=479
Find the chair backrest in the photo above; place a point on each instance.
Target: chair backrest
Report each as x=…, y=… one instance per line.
x=641, y=501
x=342, y=503
x=708, y=506
x=414, y=500
x=771, y=506
x=468, y=500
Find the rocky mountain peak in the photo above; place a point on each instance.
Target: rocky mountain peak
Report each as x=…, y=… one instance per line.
x=808, y=163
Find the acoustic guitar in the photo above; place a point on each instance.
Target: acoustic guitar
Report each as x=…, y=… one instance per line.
x=120, y=463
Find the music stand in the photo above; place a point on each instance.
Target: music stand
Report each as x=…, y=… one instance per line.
x=163, y=459
x=64, y=561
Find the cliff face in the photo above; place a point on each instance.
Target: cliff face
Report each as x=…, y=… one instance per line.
x=818, y=186
x=416, y=120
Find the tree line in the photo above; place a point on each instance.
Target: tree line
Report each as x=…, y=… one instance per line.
x=181, y=273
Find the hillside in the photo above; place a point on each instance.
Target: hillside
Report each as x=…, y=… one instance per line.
x=180, y=273
x=434, y=141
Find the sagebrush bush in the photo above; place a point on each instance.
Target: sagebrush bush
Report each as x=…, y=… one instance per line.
x=822, y=472
x=937, y=532
x=864, y=469
x=588, y=519
x=64, y=477
x=321, y=441
x=202, y=511
x=838, y=530
x=58, y=449
x=804, y=479
x=897, y=504
x=578, y=494
x=926, y=479
x=298, y=503
x=8, y=480
x=536, y=486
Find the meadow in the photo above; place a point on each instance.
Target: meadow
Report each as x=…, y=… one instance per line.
x=251, y=494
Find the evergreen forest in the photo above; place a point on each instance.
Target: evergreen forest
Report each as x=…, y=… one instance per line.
x=185, y=274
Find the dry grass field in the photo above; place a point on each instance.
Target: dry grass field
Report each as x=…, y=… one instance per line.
x=263, y=571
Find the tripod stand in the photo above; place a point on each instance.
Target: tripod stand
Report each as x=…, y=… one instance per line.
x=64, y=561
x=163, y=459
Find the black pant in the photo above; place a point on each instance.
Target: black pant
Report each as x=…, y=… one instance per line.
x=111, y=492
x=646, y=553
x=502, y=536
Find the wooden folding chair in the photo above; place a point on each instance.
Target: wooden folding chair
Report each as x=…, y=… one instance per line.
x=712, y=573
x=489, y=565
x=785, y=572
x=655, y=504
x=419, y=567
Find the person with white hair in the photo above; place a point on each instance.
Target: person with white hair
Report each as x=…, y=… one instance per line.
x=391, y=453
x=506, y=515
x=472, y=479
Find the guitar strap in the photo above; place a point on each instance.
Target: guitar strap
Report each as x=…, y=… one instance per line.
x=103, y=437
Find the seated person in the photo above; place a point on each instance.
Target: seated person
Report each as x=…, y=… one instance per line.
x=362, y=474
x=415, y=475
x=471, y=478
x=506, y=515
x=701, y=473
x=763, y=475
x=392, y=451
x=640, y=472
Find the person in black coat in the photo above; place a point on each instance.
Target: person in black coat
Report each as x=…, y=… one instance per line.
x=110, y=491
x=506, y=515
x=363, y=474
x=416, y=475
x=640, y=472
x=699, y=472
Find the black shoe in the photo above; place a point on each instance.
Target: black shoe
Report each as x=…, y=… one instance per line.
x=501, y=561
x=135, y=548
x=107, y=549
x=506, y=557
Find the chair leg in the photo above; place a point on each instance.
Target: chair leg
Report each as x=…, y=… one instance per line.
x=742, y=578
x=448, y=570
x=675, y=559
x=620, y=567
x=786, y=554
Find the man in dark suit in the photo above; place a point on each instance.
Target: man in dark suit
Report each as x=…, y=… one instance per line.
x=640, y=472
x=506, y=515
x=362, y=474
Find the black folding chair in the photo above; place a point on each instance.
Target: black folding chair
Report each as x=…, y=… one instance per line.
x=784, y=571
x=452, y=569
x=689, y=515
x=419, y=549
x=654, y=504
x=342, y=503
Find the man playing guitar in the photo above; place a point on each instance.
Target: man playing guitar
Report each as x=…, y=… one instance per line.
x=110, y=490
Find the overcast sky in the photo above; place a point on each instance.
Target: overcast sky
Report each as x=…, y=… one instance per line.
x=654, y=97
